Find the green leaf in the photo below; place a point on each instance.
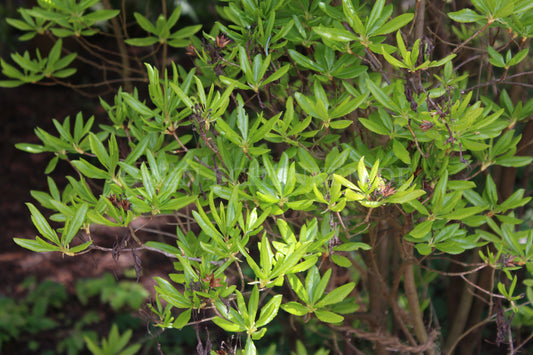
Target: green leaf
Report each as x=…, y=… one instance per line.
x=336, y=295
x=182, y=319
x=89, y=170
x=518, y=57
x=440, y=191
x=375, y=126
x=305, y=61
x=100, y=16
x=38, y=245
x=42, y=225
x=138, y=151
x=250, y=348
x=269, y=311
x=380, y=96
x=298, y=288
x=295, y=308
x=277, y=74
x=491, y=192
x=306, y=161
x=423, y=249
x=98, y=148
x=334, y=160
x=463, y=213
x=171, y=295
x=316, y=285
x=138, y=106
x=341, y=260
x=353, y=18
x=394, y=24
x=228, y=325
x=81, y=247
x=400, y=152
x=340, y=124
x=352, y=246
x=328, y=317
x=395, y=62
x=10, y=83
x=64, y=73
x=253, y=303
x=163, y=247
x=178, y=203
x=375, y=14
x=405, y=196
x=31, y=148
x=335, y=34
x=496, y=58
x=147, y=181
x=144, y=23
x=18, y=24
x=142, y=42
x=465, y=16
x=73, y=225
x=421, y=229
x=514, y=162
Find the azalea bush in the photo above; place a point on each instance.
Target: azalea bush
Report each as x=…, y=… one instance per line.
x=351, y=171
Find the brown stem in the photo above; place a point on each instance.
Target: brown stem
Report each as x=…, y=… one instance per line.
x=461, y=314
x=420, y=15
x=126, y=69
x=414, y=304
x=377, y=291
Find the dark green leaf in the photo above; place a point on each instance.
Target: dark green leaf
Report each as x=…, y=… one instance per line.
x=142, y=42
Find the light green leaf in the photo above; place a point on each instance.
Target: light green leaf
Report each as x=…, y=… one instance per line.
x=328, y=317
x=394, y=24
x=400, y=152
x=269, y=311
x=228, y=325
x=341, y=260
x=336, y=295
x=421, y=229
x=295, y=308
x=340, y=124
x=182, y=319
x=38, y=245
x=42, y=225
x=142, y=42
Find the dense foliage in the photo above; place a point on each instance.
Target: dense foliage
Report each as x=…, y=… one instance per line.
x=338, y=169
